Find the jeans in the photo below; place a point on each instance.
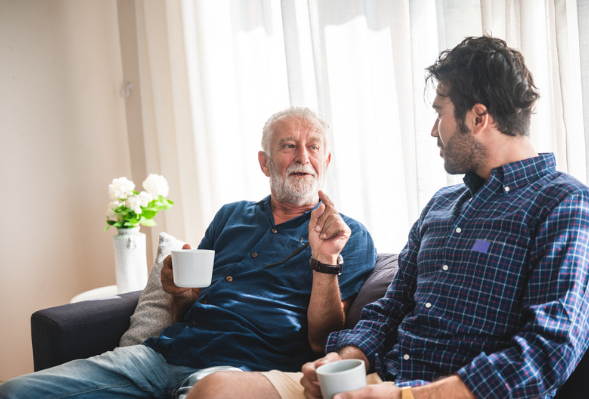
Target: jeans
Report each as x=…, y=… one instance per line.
x=132, y=371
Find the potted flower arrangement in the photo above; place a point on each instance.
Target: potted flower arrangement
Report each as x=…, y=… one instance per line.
x=127, y=210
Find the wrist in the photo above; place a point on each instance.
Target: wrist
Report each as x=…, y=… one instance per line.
x=406, y=393
x=449, y=387
x=326, y=259
x=327, y=268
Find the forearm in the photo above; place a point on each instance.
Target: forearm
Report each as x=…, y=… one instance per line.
x=446, y=388
x=326, y=312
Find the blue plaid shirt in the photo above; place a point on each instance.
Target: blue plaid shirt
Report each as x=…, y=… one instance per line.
x=491, y=287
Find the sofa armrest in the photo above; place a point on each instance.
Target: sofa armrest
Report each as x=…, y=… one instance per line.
x=80, y=330
x=374, y=287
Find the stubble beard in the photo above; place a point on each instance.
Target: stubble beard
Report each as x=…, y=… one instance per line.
x=462, y=153
x=296, y=191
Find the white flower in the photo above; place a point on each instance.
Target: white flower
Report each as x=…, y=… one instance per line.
x=110, y=211
x=137, y=201
x=120, y=188
x=156, y=185
x=144, y=198
x=134, y=203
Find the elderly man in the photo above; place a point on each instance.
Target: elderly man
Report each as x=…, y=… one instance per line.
x=279, y=285
x=490, y=297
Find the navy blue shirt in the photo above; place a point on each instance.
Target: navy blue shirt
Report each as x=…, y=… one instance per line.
x=254, y=314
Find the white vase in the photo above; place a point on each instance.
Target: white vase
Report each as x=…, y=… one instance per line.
x=130, y=260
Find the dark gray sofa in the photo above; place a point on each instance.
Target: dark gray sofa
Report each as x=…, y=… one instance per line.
x=84, y=329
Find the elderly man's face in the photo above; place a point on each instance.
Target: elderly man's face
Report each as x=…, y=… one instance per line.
x=298, y=160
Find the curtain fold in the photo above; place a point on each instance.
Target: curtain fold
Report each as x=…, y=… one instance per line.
x=213, y=72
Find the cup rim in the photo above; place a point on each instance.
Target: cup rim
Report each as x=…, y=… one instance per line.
x=359, y=362
x=192, y=250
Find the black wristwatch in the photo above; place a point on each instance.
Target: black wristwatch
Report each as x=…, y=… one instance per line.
x=328, y=269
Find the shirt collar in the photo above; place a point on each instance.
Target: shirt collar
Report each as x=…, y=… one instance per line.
x=515, y=174
x=267, y=205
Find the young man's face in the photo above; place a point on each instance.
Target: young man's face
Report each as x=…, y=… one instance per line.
x=459, y=149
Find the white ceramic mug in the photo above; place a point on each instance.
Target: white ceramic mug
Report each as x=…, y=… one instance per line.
x=193, y=268
x=341, y=376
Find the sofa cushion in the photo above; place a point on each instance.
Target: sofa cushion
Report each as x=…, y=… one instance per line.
x=152, y=314
x=374, y=287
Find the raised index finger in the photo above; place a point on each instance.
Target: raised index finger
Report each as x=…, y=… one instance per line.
x=325, y=199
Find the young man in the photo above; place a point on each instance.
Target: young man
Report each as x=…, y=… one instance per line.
x=489, y=300
x=279, y=285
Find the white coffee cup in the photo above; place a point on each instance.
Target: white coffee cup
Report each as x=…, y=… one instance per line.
x=193, y=268
x=341, y=376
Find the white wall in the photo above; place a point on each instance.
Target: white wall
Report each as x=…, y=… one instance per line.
x=63, y=138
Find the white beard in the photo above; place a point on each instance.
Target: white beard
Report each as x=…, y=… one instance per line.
x=297, y=191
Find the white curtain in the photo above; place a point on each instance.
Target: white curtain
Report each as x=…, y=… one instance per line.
x=212, y=72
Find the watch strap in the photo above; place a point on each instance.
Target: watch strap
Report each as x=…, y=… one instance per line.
x=327, y=269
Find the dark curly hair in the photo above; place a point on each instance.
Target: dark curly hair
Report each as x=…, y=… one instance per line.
x=483, y=70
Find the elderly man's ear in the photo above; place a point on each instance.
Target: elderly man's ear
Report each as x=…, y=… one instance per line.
x=263, y=160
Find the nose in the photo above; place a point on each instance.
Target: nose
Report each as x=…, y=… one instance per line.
x=302, y=155
x=434, y=132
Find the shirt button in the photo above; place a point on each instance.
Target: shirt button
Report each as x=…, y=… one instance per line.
x=274, y=231
x=428, y=305
x=195, y=323
x=506, y=188
x=458, y=229
x=406, y=357
x=445, y=267
x=229, y=279
x=254, y=255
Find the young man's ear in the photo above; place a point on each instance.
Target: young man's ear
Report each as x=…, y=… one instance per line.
x=478, y=119
x=263, y=160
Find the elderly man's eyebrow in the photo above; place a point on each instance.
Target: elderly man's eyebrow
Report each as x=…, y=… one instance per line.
x=285, y=139
x=314, y=137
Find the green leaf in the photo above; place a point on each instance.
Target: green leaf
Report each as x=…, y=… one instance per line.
x=148, y=222
x=148, y=213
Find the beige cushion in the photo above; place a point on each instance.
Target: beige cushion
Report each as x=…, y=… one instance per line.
x=152, y=315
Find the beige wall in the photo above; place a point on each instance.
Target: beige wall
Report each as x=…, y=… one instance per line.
x=63, y=138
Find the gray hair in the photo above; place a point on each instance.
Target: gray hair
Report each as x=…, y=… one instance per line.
x=303, y=113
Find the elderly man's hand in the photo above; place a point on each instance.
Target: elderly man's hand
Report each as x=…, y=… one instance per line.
x=328, y=233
